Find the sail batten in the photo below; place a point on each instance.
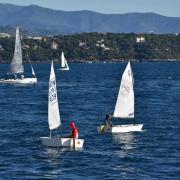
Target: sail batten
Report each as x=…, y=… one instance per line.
x=124, y=107
x=53, y=108
x=16, y=64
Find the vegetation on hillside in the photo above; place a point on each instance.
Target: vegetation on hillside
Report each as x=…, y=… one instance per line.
x=96, y=46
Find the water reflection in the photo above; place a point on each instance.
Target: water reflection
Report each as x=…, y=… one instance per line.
x=53, y=152
x=51, y=160
x=127, y=144
x=125, y=139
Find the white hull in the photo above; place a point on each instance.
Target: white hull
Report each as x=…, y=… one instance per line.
x=64, y=69
x=19, y=81
x=121, y=128
x=61, y=142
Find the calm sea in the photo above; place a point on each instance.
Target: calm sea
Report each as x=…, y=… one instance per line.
x=86, y=93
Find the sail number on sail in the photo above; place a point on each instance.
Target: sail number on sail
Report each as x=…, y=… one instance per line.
x=52, y=91
x=126, y=87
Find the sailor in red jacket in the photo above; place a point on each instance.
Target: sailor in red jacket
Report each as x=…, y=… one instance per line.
x=75, y=131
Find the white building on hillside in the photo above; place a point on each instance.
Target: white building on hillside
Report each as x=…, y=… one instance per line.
x=140, y=39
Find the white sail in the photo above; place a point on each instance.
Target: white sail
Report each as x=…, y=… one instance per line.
x=32, y=69
x=53, y=108
x=125, y=102
x=64, y=64
x=63, y=60
x=67, y=67
x=16, y=65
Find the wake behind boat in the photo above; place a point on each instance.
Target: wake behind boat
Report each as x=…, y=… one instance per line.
x=54, y=120
x=124, y=107
x=16, y=70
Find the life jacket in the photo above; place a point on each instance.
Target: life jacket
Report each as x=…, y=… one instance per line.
x=75, y=132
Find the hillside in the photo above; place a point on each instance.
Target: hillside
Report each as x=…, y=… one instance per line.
x=96, y=46
x=47, y=21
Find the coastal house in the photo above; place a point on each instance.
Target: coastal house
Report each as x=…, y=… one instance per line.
x=82, y=44
x=105, y=48
x=5, y=35
x=54, y=45
x=35, y=37
x=140, y=39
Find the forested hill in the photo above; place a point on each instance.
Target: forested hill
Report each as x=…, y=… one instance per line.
x=95, y=46
x=46, y=21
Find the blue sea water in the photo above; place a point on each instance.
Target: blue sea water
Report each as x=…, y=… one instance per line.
x=86, y=93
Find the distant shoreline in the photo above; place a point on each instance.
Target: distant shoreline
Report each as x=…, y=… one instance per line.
x=100, y=61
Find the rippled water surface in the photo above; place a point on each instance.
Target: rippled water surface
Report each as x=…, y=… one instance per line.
x=86, y=93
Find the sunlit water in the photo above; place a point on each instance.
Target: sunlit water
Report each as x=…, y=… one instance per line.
x=86, y=93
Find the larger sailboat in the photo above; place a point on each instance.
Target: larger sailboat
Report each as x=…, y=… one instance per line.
x=124, y=107
x=16, y=70
x=54, y=120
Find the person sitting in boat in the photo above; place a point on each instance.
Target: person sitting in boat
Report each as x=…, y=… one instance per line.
x=33, y=75
x=22, y=76
x=74, y=131
x=14, y=76
x=6, y=77
x=108, y=122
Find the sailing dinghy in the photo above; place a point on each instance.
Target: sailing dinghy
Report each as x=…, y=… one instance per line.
x=54, y=120
x=16, y=70
x=124, y=107
x=64, y=64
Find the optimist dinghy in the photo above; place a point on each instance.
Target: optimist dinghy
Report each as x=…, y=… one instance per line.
x=54, y=120
x=124, y=107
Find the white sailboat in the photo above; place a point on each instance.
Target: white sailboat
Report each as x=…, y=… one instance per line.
x=64, y=64
x=54, y=119
x=16, y=70
x=124, y=107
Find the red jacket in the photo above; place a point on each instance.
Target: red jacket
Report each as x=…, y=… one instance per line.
x=75, y=133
